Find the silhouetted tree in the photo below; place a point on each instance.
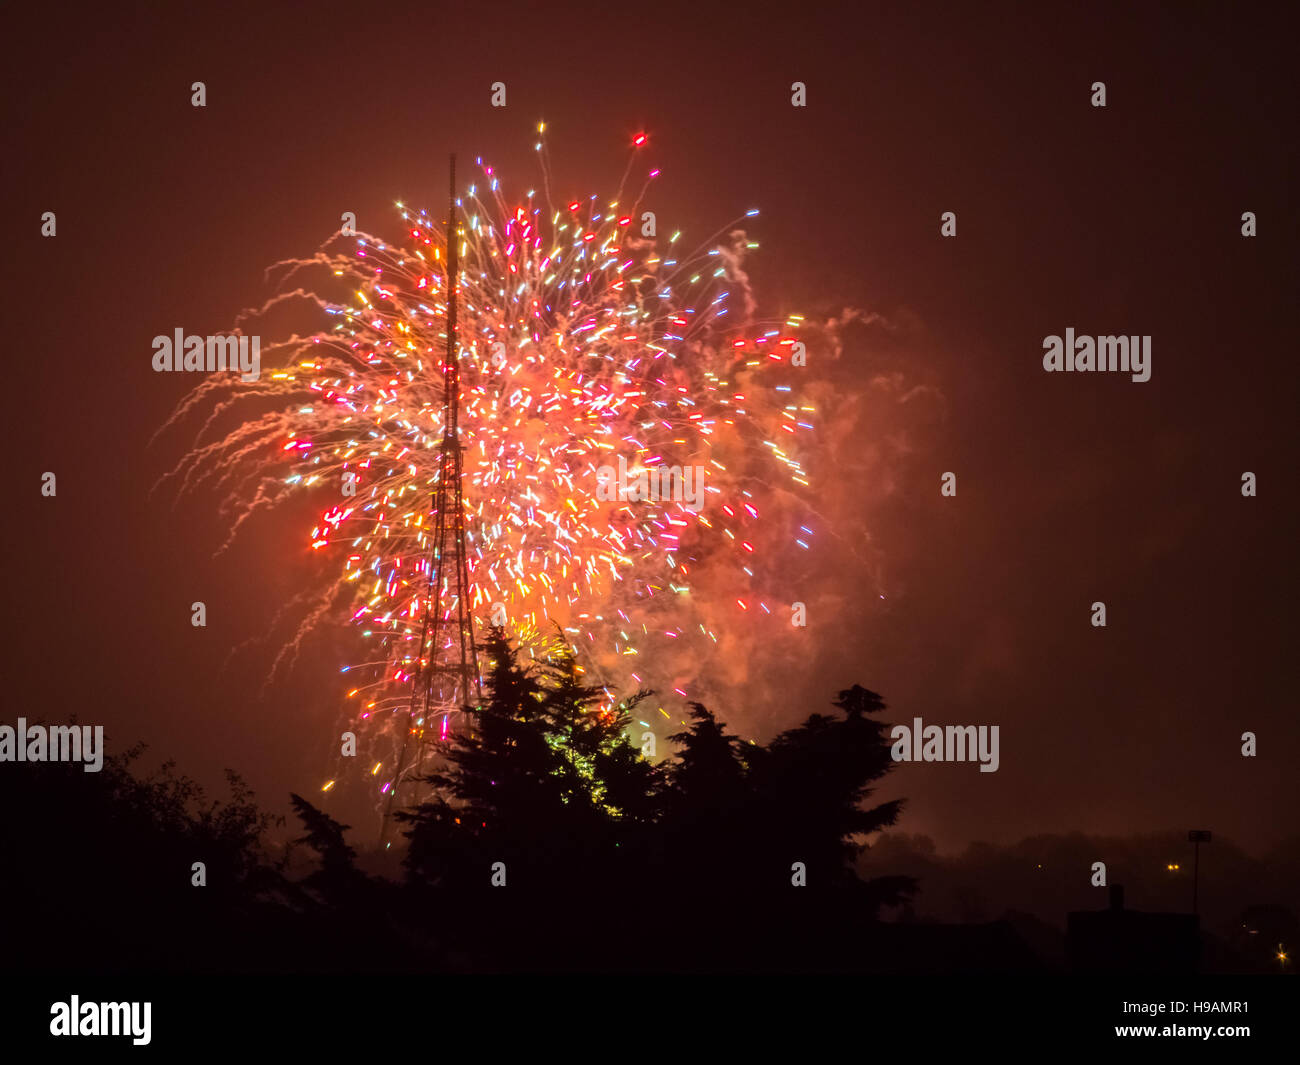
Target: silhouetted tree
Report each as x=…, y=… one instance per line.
x=338, y=881
x=120, y=850
x=542, y=780
x=811, y=784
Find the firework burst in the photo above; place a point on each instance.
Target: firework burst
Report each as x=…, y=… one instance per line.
x=587, y=344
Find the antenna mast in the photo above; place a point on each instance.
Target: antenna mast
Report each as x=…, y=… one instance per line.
x=446, y=678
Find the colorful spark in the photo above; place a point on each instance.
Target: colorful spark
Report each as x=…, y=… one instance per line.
x=585, y=347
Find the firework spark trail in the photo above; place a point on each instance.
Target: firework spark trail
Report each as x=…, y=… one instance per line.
x=581, y=341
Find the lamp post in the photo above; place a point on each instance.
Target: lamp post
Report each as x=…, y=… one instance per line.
x=1196, y=838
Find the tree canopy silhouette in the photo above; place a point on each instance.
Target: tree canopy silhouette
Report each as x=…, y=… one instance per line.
x=544, y=781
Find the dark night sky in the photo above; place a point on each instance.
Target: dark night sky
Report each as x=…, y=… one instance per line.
x=1071, y=488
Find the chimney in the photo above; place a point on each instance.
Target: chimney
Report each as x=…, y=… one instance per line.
x=1116, y=897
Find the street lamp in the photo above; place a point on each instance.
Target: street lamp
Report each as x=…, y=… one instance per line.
x=1196, y=837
